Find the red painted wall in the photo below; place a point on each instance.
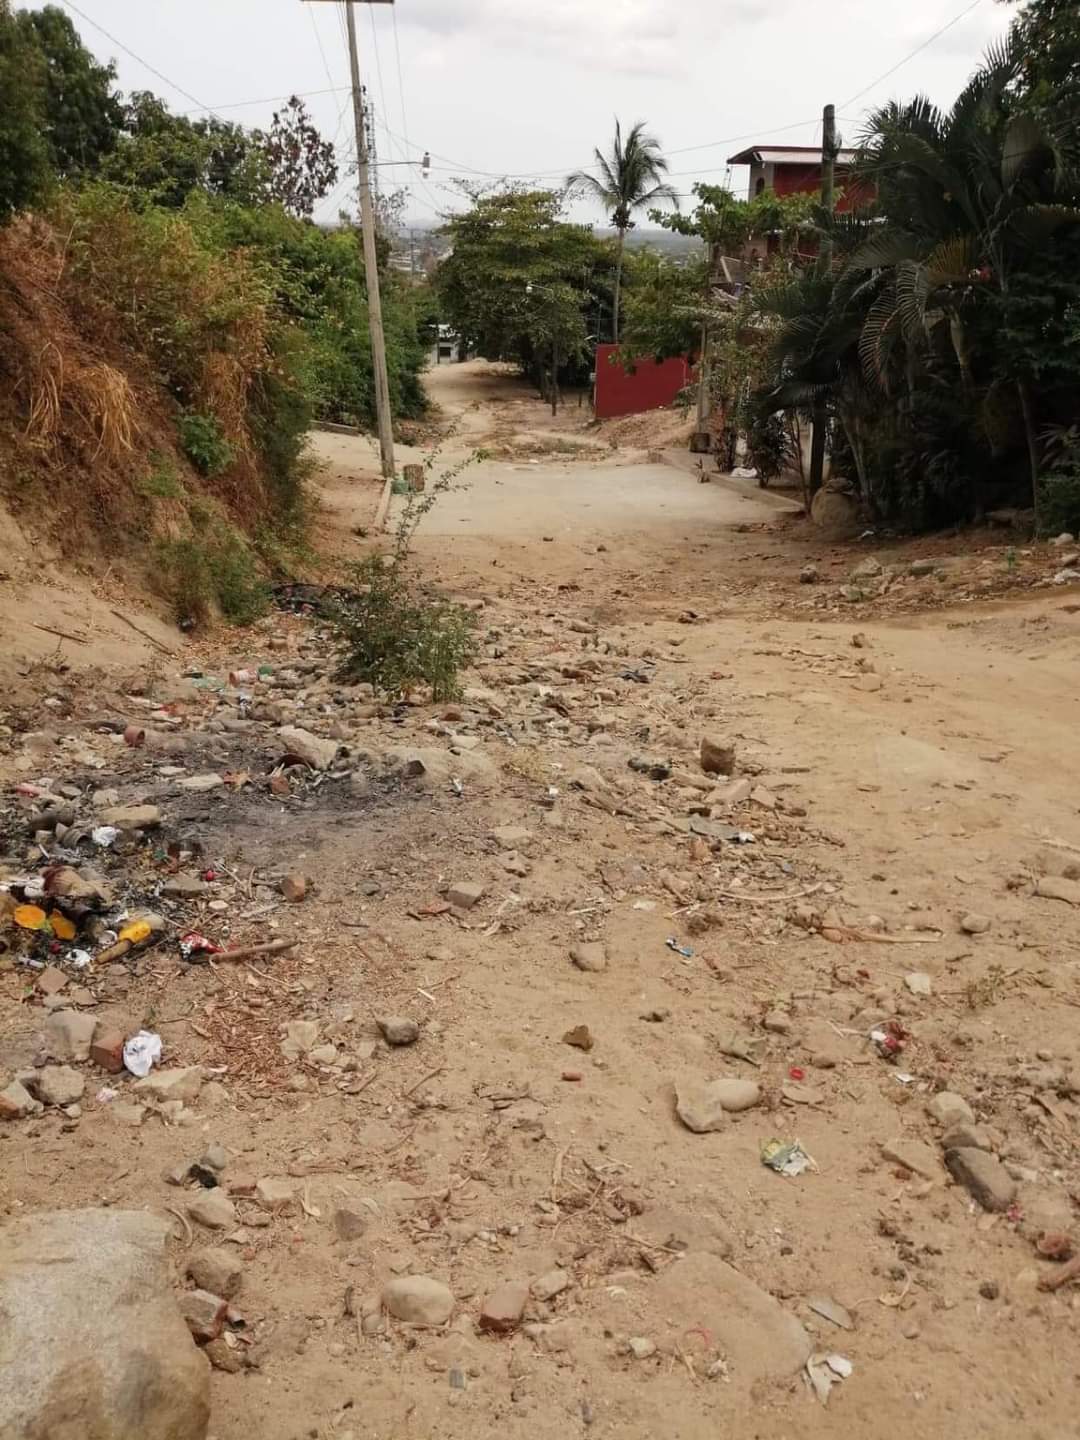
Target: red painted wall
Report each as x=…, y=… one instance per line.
x=806, y=179
x=649, y=386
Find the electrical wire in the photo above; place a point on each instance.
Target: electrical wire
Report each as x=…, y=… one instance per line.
x=917, y=51
x=144, y=63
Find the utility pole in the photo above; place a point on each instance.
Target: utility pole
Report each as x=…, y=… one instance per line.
x=371, y=257
x=828, y=201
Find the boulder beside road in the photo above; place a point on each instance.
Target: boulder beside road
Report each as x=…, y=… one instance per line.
x=93, y=1343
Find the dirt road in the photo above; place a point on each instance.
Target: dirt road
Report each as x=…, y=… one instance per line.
x=910, y=785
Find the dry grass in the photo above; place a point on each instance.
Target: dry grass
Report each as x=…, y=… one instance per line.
x=44, y=379
x=109, y=407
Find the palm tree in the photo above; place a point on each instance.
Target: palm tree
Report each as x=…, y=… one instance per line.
x=969, y=197
x=627, y=180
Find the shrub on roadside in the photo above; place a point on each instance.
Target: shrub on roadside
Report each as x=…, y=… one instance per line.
x=204, y=443
x=211, y=571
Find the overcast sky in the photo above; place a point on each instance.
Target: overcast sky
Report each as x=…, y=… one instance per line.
x=528, y=87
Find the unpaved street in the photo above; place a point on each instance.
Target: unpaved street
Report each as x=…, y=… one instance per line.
x=588, y=930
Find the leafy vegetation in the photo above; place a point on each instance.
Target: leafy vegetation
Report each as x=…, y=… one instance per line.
x=204, y=443
x=521, y=283
x=394, y=634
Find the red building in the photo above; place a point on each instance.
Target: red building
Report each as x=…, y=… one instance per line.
x=796, y=170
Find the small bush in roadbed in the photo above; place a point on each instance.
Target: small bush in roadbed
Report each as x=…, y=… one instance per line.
x=203, y=442
x=394, y=636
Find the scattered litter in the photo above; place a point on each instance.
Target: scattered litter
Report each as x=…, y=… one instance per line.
x=193, y=945
x=61, y=926
x=104, y=835
x=30, y=917
x=889, y=1039
x=683, y=950
x=136, y=931
x=105, y=1094
x=787, y=1157
x=825, y=1371
x=141, y=1052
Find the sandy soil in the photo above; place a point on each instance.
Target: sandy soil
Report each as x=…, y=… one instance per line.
x=913, y=761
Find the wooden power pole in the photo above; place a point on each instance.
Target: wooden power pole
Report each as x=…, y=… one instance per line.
x=828, y=201
x=371, y=255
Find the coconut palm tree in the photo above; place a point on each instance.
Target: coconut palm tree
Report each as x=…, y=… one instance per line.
x=626, y=180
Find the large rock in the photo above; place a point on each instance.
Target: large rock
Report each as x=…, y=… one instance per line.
x=313, y=750
x=704, y=1105
x=983, y=1176
x=92, y=1344
x=836, y=513
x=760, y=1339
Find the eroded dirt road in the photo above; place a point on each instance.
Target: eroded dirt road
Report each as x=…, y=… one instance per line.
x=909, y=784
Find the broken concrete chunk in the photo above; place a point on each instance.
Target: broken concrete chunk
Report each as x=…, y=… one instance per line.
x=465, y=894
x=504, y=1307
x=214, y=1210
x=56, y=1084
x=68, y=1034
x=131, y=817
x=203, y=1313
x=948, y=1108
x=181, y=1084
x=984, y=1177
x=546, y=1287
x=276, y=1192
x=217, y=1270
x=398, y=1030
x=914, y=1155
x=418, y=1300
x=591, y=956
x=309, y=749
x=16, y=1102
x=703, y=1106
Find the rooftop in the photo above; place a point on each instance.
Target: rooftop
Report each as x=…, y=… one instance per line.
x=787, y=155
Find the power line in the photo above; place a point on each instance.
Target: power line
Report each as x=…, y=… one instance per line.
x=144, y=63
x=917, y=51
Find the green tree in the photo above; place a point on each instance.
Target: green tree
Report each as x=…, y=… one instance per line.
x=970, y=199
x=628, y=179
x=515, y=273
x=1047, y=37
x=168, y=157
x=24, y=155
x=301, y=163
x=82, y=114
